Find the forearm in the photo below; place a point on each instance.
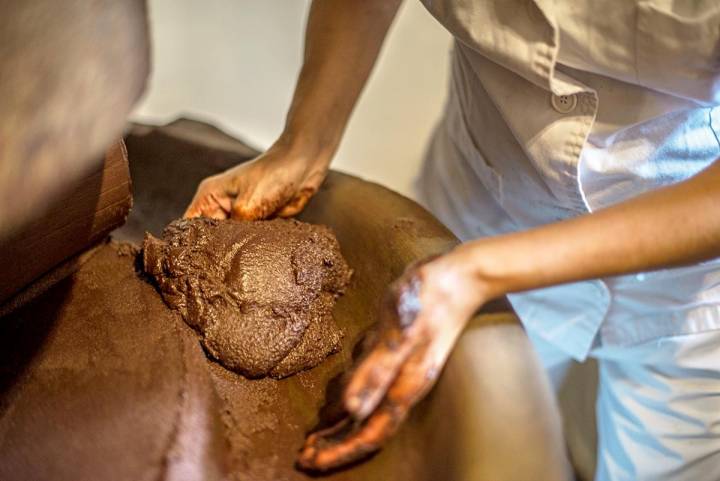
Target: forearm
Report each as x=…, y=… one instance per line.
x=675, y=225
x=343, y=40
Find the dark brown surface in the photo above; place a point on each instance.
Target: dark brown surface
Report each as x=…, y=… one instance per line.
x=489, y=417
x=69, y=76
x=96, y=204
x=98, y=382
x=491, y=414
x=260, y=294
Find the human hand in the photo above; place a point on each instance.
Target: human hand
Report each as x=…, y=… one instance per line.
x=423, y=314
x=277, y=183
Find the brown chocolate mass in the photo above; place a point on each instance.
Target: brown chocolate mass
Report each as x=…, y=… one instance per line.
x=99, y=381
x=260, y=294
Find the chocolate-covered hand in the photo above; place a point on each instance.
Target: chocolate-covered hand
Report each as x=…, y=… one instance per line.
x=274, y=184
x=422, y=316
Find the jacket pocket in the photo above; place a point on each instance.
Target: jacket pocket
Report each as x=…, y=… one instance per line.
x=459, y=134
x=679, y=51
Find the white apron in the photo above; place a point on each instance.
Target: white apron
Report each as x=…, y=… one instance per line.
x=559, y=108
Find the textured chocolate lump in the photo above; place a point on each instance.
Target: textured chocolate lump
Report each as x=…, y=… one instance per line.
x=260, y=294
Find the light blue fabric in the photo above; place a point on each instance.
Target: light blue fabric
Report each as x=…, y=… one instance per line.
x=577, y=308
x=480, y=181
x=644, y=79
x=658, y=408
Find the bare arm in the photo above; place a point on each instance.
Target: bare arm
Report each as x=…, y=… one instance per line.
x=430, y=304
x=343, y=39
x=675, y=225
x=342, y=43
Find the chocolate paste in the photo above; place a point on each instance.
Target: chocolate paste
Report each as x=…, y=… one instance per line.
x=260, y=294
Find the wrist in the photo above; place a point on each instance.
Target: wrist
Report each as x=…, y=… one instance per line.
x=483, y=266
x=314, y=151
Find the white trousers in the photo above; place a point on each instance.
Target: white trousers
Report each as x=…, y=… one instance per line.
x=657, y=408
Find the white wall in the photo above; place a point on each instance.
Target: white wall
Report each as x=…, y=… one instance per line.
x=234, y=62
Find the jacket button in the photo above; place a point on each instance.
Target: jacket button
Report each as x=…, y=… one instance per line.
x=563, y=103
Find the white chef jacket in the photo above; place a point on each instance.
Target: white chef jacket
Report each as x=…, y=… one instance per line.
x=558, y=108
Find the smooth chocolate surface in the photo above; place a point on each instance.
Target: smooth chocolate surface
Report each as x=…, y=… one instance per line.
x=99, y=380
x=260, y=294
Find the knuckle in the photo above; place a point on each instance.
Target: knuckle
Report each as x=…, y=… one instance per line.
x=206, y=184
x=243, y=212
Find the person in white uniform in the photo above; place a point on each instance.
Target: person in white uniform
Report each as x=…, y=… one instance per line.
x=578, y=157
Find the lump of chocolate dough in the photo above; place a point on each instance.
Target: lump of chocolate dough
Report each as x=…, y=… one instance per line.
x=260, y=294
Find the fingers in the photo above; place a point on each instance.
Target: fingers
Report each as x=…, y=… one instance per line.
x=248, y=195
x=401, y=335
x=297, y=203
x=191, y=212
x=264, y=200
x=373, y=377
x=310, y=186
x=207, y=203
x=282, y=201
x=416, y=378
x=220, y=206
x=417, y=375
x=420, y=322
x=321, y=455
x=194, y=209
